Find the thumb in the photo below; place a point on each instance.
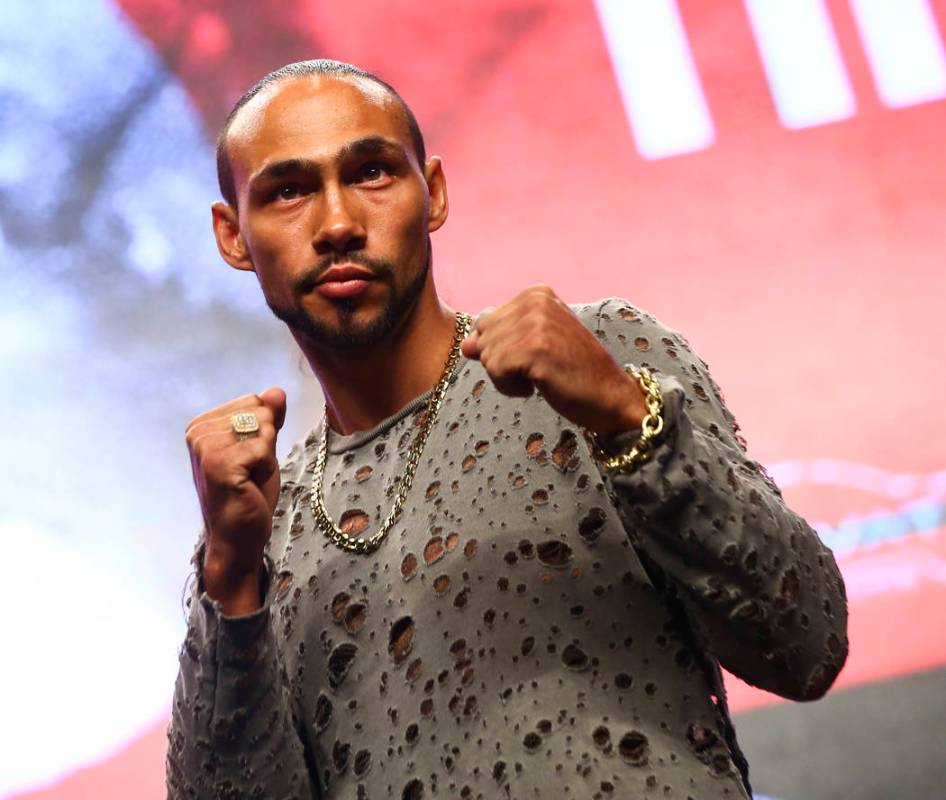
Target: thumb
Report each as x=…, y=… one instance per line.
x=471, y=345
x=274, y=399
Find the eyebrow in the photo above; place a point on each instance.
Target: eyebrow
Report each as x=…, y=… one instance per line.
x=367, y=146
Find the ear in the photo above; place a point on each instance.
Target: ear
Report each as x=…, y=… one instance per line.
x=229, y=239
x=437, y=189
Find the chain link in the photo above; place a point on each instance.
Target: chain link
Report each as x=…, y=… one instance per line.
x=328, y=526
x=651, y=427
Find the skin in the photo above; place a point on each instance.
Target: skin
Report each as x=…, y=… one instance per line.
x=325, y=173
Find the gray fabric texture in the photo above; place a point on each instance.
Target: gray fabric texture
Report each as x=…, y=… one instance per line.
x=531, y=627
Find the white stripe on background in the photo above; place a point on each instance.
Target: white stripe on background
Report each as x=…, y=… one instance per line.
x=802, y=61
x=904, y=48
x=659, y=84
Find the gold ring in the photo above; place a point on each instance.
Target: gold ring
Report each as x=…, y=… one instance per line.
x=244, y=424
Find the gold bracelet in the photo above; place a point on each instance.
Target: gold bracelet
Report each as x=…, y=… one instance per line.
x=651, y=427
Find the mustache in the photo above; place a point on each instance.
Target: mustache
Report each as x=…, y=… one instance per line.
x=378, y=267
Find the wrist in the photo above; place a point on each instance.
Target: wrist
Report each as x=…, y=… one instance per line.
x=236, y=589
x=649, y=427
x=624, y=411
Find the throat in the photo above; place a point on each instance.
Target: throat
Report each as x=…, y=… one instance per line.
x=365, y=390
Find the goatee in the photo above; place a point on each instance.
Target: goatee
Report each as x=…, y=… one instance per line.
x=347, y=334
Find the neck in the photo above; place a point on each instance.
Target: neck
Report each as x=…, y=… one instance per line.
x=366, y=386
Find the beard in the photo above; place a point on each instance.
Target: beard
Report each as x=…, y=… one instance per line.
x=348, y=334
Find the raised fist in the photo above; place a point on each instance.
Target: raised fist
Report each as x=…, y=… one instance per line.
x=237, y=480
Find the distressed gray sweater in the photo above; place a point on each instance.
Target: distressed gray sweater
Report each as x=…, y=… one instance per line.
x=531, y=627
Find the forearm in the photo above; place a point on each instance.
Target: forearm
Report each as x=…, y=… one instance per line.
x=232, y=731
x=763, y=591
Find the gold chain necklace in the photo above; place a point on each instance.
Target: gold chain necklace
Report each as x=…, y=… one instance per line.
x=359, y=544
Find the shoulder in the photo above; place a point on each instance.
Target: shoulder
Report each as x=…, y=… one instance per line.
x=616, y=315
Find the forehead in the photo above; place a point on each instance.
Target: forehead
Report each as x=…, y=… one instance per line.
x=311, y=117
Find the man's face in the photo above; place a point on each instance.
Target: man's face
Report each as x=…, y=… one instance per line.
x=333, y=208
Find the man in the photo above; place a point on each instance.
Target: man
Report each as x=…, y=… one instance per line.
x=445, y=591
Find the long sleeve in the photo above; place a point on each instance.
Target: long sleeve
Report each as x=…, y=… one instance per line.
x=232, y=733
x=762, y=592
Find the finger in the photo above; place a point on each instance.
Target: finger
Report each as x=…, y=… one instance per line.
x=508, y=370
x=223, y=437
x=481, y=317
x=223, y=458
x=261, y=459
x=246, y=402
x=224, y=421
x=471, y=346
x=514, y=385
x=274, y=399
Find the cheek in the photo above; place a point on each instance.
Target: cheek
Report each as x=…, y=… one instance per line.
x=275, y=249
x=408, y=228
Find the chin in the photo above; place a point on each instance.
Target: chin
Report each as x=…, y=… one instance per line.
x=351, y=325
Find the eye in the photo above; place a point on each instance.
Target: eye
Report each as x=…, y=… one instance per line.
x=288, y=191
x=373, y=172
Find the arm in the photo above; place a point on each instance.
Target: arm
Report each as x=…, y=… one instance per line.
x=764, y=593
x=232, y=732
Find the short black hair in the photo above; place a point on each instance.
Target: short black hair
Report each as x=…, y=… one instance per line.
x=302, y=69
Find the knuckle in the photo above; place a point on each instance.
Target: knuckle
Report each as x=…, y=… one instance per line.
x=260, y=448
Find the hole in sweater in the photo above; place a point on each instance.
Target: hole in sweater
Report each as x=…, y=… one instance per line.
x=339, y=604
x=462, y=598
x=601, y=737
x=433, y=550
x=554, y=553
x=591, y=525
x=409, y=566
x=341, y=752
x=534, y=444
x=532, y=741
x=411, y=733
x=563, y=454
x=414, y=670
x=499, y=771
x=575, y=658
x=401, y=639
x=699, y=737
x=355, y=617
x=323, y=713
x=282, y=588
x=362, y=763
x=339, y=663
x=353, y=522
x=633, y=748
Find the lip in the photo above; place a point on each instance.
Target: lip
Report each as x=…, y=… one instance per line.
x=344, y=281
x=345, y=273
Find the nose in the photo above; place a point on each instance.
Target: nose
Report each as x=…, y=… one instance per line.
x=339, y=228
